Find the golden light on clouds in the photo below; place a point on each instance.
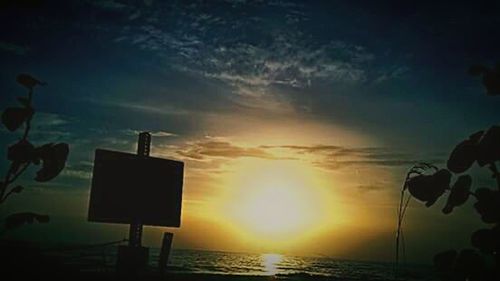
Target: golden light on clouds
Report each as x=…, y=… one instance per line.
x=271, y=190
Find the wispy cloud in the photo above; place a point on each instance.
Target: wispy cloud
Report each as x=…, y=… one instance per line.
x=78, y=174
x=209, y=148
x=392, y=73
x=163, y=109
x=153, y=133
x=370, y=187
x=48, y=127
x=250, y=67
x=328, y=157
x=334, y=157
x=44, y=119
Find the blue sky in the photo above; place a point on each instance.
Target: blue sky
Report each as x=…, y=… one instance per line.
x=216, y=81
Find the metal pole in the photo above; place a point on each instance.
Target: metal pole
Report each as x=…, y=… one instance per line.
x=166, y=245
x=143, y=149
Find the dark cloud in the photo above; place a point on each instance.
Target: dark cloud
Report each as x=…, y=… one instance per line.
x=153, y=133
x=215, y=148
x=308, y=149
x=340, y=164
x=361, y=155
x=370, y=187
x=331, y=157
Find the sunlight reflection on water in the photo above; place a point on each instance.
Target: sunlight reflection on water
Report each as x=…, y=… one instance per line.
x=270, y=263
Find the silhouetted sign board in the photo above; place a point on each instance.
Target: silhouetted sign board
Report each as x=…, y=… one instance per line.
x=129, y=188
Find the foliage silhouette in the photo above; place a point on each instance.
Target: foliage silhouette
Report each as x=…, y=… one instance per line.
x=427, y=183
x=51, y=157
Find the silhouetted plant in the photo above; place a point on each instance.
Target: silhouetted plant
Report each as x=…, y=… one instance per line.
x=52, y=157
x=427, y=183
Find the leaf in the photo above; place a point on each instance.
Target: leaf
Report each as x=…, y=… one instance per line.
x=36, y=161
x=488, y=205
x=19, y=219
x=28, y=81
x=15, y=165
x=17, y=189
x=488, y=149
x=419, y=187
x=21, y=152
x=464, y=154
x=14, y=117
x=54, y=159
x=459, y=193
x=491, y=78
x=487, y=240
x=428, y=188
x=469, y=264
x=444, y=261
x=491, y=81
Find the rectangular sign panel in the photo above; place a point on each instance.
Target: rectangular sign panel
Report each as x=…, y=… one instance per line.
x=128, y=188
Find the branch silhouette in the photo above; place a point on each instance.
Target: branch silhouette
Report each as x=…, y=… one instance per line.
x=22, y=154
x=481, y=148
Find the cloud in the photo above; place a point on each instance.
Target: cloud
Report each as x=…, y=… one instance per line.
x=334, y=157
x=210, y=148
x=163, y=109
x=334, y=150
x=78, y=174
x=44, y=119
x=323, y=156
x=285, y=61
x=396, y=72
x=80, y=170
x=232, y=49
x=341, y=164
x=46, y=127
x=308, y=149
x=370, y=187
x=153, y=133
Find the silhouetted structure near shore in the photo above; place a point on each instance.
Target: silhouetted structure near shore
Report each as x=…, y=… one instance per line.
x=137, y=190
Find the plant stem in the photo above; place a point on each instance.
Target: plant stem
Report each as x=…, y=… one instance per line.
x=400, y=222
x=6, y=182
x=10, y=177
x=19, y=173
x=6, y=196
x=28, y=122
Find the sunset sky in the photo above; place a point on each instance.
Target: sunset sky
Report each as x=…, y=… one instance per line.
x=296, y=122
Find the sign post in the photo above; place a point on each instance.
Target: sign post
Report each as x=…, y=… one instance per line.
x=134, y=258
x=166, y=245
x=143, y=149
x=137, y=190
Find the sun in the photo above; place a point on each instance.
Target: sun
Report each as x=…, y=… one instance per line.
x=275, y=206
x=275, y=201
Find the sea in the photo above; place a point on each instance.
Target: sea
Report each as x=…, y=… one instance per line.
x=279, y=266
x=271, y=264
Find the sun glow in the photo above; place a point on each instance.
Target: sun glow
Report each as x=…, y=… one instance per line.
x=276, y=206
x=276, y=201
